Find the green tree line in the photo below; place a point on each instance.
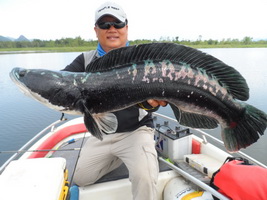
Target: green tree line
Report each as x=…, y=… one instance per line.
x=79, y=42
x=64, y=42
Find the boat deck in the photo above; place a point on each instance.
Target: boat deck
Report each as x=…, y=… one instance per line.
x=71, y=157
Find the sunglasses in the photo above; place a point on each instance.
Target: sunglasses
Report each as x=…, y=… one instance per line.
x=107, y=25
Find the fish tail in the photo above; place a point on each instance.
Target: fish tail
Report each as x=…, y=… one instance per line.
x=246, y=130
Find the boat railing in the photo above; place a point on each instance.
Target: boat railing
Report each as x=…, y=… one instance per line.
x=205, y=135
x=26, y=146
x=240, y=153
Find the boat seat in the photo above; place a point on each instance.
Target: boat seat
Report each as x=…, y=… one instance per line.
x=203, y=163
x=31, y=179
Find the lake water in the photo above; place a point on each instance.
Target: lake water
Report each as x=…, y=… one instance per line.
x=22, y=117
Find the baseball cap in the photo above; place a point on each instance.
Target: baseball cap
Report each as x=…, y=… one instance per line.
x=110, y=8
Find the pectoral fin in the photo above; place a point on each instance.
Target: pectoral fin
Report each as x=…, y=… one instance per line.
x=107, y=122
x=91, y=123
x=92, y=126
x=97, y=124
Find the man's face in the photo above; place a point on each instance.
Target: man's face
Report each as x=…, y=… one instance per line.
x=111, y=38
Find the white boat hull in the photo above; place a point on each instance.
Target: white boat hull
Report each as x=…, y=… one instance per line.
x=206, y=160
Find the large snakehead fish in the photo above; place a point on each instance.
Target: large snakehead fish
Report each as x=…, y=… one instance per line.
x=203, y=91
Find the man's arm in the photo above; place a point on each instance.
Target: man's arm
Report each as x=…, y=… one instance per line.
x=77, y=65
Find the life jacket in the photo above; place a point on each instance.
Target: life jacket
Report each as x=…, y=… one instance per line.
x=88, y=57
x=240, y=180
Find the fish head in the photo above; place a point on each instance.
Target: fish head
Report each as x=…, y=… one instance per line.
x=46, y=87
x=30, y=81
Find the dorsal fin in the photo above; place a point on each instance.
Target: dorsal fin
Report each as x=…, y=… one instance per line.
x=226, y=75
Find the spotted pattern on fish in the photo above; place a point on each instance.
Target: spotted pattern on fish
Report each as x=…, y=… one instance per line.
x=149, y=69
x=198, y=78
x=132, y=71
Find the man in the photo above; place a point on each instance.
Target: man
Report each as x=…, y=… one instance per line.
x=133, y=142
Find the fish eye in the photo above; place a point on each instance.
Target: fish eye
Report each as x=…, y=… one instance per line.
x=22, y=73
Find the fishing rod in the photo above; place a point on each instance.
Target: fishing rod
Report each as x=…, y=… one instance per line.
x=40, y=150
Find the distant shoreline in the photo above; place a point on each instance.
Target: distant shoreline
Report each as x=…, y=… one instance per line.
x=45, y=49
x=87, y=48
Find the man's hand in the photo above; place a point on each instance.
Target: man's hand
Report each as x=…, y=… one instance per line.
x=154, y=103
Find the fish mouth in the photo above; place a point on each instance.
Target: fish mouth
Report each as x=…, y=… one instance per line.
x=15, y=76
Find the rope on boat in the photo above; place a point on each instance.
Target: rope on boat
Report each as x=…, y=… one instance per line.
x=71, y=179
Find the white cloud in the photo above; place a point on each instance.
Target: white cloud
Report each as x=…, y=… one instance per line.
x=215, y=19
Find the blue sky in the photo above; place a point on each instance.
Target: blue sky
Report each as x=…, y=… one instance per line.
x=148, y=19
